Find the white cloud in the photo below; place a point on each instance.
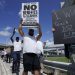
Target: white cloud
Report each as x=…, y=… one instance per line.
x=48, y=43
x=20, y=13
x=2, y=3
x=48, y=32
x=7, y=28
x=51, y=44
x=51, y=39
x=62, y=4
x=5, y=33
x=9, y=43
x=16, y=30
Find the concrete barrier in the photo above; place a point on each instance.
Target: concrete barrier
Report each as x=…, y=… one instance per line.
x=56, y=68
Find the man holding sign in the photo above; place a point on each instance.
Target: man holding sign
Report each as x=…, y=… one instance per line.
x=30, y=59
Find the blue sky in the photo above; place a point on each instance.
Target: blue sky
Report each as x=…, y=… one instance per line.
x=9, y=17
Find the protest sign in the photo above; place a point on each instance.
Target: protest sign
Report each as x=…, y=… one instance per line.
x=30, y=13
x=64, y=24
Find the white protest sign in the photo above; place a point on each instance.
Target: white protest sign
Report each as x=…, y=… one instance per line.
x=30, y=13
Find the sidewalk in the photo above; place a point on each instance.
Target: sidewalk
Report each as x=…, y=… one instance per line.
x=5, y=68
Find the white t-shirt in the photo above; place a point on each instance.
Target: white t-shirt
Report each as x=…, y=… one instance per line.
x=39, y=47
x=29, y=44
x=5, y=51
x=17, y=46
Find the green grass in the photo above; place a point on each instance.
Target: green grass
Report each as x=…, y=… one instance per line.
x=60, y=59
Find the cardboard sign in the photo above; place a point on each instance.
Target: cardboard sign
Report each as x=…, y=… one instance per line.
x=30, y=13
x=64, y=24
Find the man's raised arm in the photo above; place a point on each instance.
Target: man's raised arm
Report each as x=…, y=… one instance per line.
x=11, y=38
x=40, y=32
x=20, y=28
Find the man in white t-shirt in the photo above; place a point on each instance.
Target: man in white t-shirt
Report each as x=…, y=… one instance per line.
x=39, y=47
x=40, y=53
x=30, y=59
x=16, y=53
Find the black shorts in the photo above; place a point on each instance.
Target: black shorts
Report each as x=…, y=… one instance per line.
x=31, y=62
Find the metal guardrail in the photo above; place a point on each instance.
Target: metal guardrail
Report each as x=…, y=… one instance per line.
x=58, y=68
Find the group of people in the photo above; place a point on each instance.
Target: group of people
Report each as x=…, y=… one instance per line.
x=6, y=54
x=31, y=50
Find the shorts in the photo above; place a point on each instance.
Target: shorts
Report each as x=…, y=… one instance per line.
x=31, y=62
x=41, y=58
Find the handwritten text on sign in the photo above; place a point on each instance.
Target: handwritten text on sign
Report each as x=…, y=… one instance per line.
x=64, y=24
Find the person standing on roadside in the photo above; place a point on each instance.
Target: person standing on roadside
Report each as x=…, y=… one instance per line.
x=8, y=55
x=40, y=54
x=16, y=53
x=30, y=59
